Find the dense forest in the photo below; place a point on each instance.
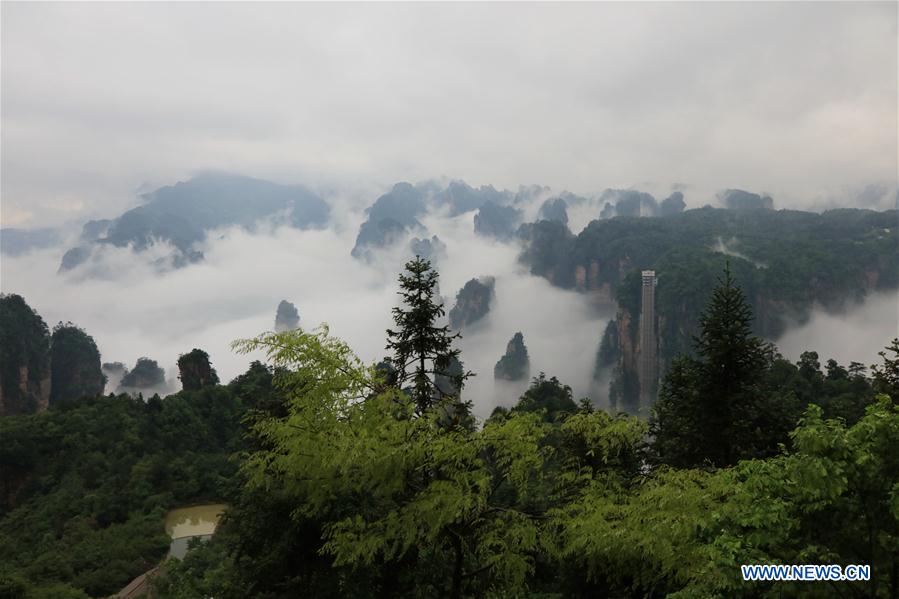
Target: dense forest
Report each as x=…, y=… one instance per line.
x=347, y=479
x=788, y=262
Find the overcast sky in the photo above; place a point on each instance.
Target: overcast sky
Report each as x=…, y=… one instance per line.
x=100, y=101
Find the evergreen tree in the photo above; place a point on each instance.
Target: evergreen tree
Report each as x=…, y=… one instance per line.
x=715, y=407
x=423, y=351
x=733, y=362
x=548, y=395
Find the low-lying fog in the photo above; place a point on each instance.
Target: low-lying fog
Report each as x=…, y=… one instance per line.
x=855, y=336
x=135, y=311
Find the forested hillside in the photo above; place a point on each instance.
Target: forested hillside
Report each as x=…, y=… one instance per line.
x=787, y=262
x=84, y=486
x=347, y=479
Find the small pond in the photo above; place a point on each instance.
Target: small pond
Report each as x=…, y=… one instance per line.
x=186, y=523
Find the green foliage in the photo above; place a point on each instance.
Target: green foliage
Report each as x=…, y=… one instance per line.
x=341, y=483
x=886, y=375
x=548, y=396
x=16, y=586
x=686, y=532
x=24, y=349
x=547, y=248
x=787, y=262
x=85, y=485
x=715, y=408
x=422, y=350
x=195, y=371
x=346, y=488
x=75, y=364
x=204, y=572
x=393, y=492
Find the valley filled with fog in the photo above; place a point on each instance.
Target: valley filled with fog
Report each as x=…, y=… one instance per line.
x=135, y=304
x=133, y=309
x=449, y=299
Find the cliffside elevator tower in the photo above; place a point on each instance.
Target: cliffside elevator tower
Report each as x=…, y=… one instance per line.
x=648, y=369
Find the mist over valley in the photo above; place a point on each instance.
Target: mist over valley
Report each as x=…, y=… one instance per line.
x=216, y=264
x=460, y=299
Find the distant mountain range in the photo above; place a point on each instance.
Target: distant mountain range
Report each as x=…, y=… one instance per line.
x=182, y=214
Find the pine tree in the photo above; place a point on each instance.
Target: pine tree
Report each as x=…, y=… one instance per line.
x=713, y=408
x=422, y=351
x=733, y=362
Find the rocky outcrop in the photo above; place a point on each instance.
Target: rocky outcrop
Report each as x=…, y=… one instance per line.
x=195, y=371
x=737, y=199
x=287, y=318
x=515, y=364
x=114, y=372
x=554, y=209
x=75, y=365
x=624, y=388
x=430, y=249
x=180, y=215
x=627, y=202
x=496, y=221
x=459, y=197
x=673, y=204
x=390, y=218
x=609, y=351
x=145, y=376
x=548, y=248
x=25, y=382
x=472, y=303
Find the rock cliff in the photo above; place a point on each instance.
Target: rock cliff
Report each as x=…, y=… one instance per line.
x=75, y=365
x=25, y=382
x=472, y=303
x=515, y=364
x=287, y=318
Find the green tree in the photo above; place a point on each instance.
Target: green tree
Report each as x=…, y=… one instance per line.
x=422, y=350
x=419, y=502
x=548, y=396
x=886, y=375
x=715, y=408
x=685, y=532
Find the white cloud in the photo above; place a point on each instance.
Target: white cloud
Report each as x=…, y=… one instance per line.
x=855, y=336
x=795, y=99
x=136, y=310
